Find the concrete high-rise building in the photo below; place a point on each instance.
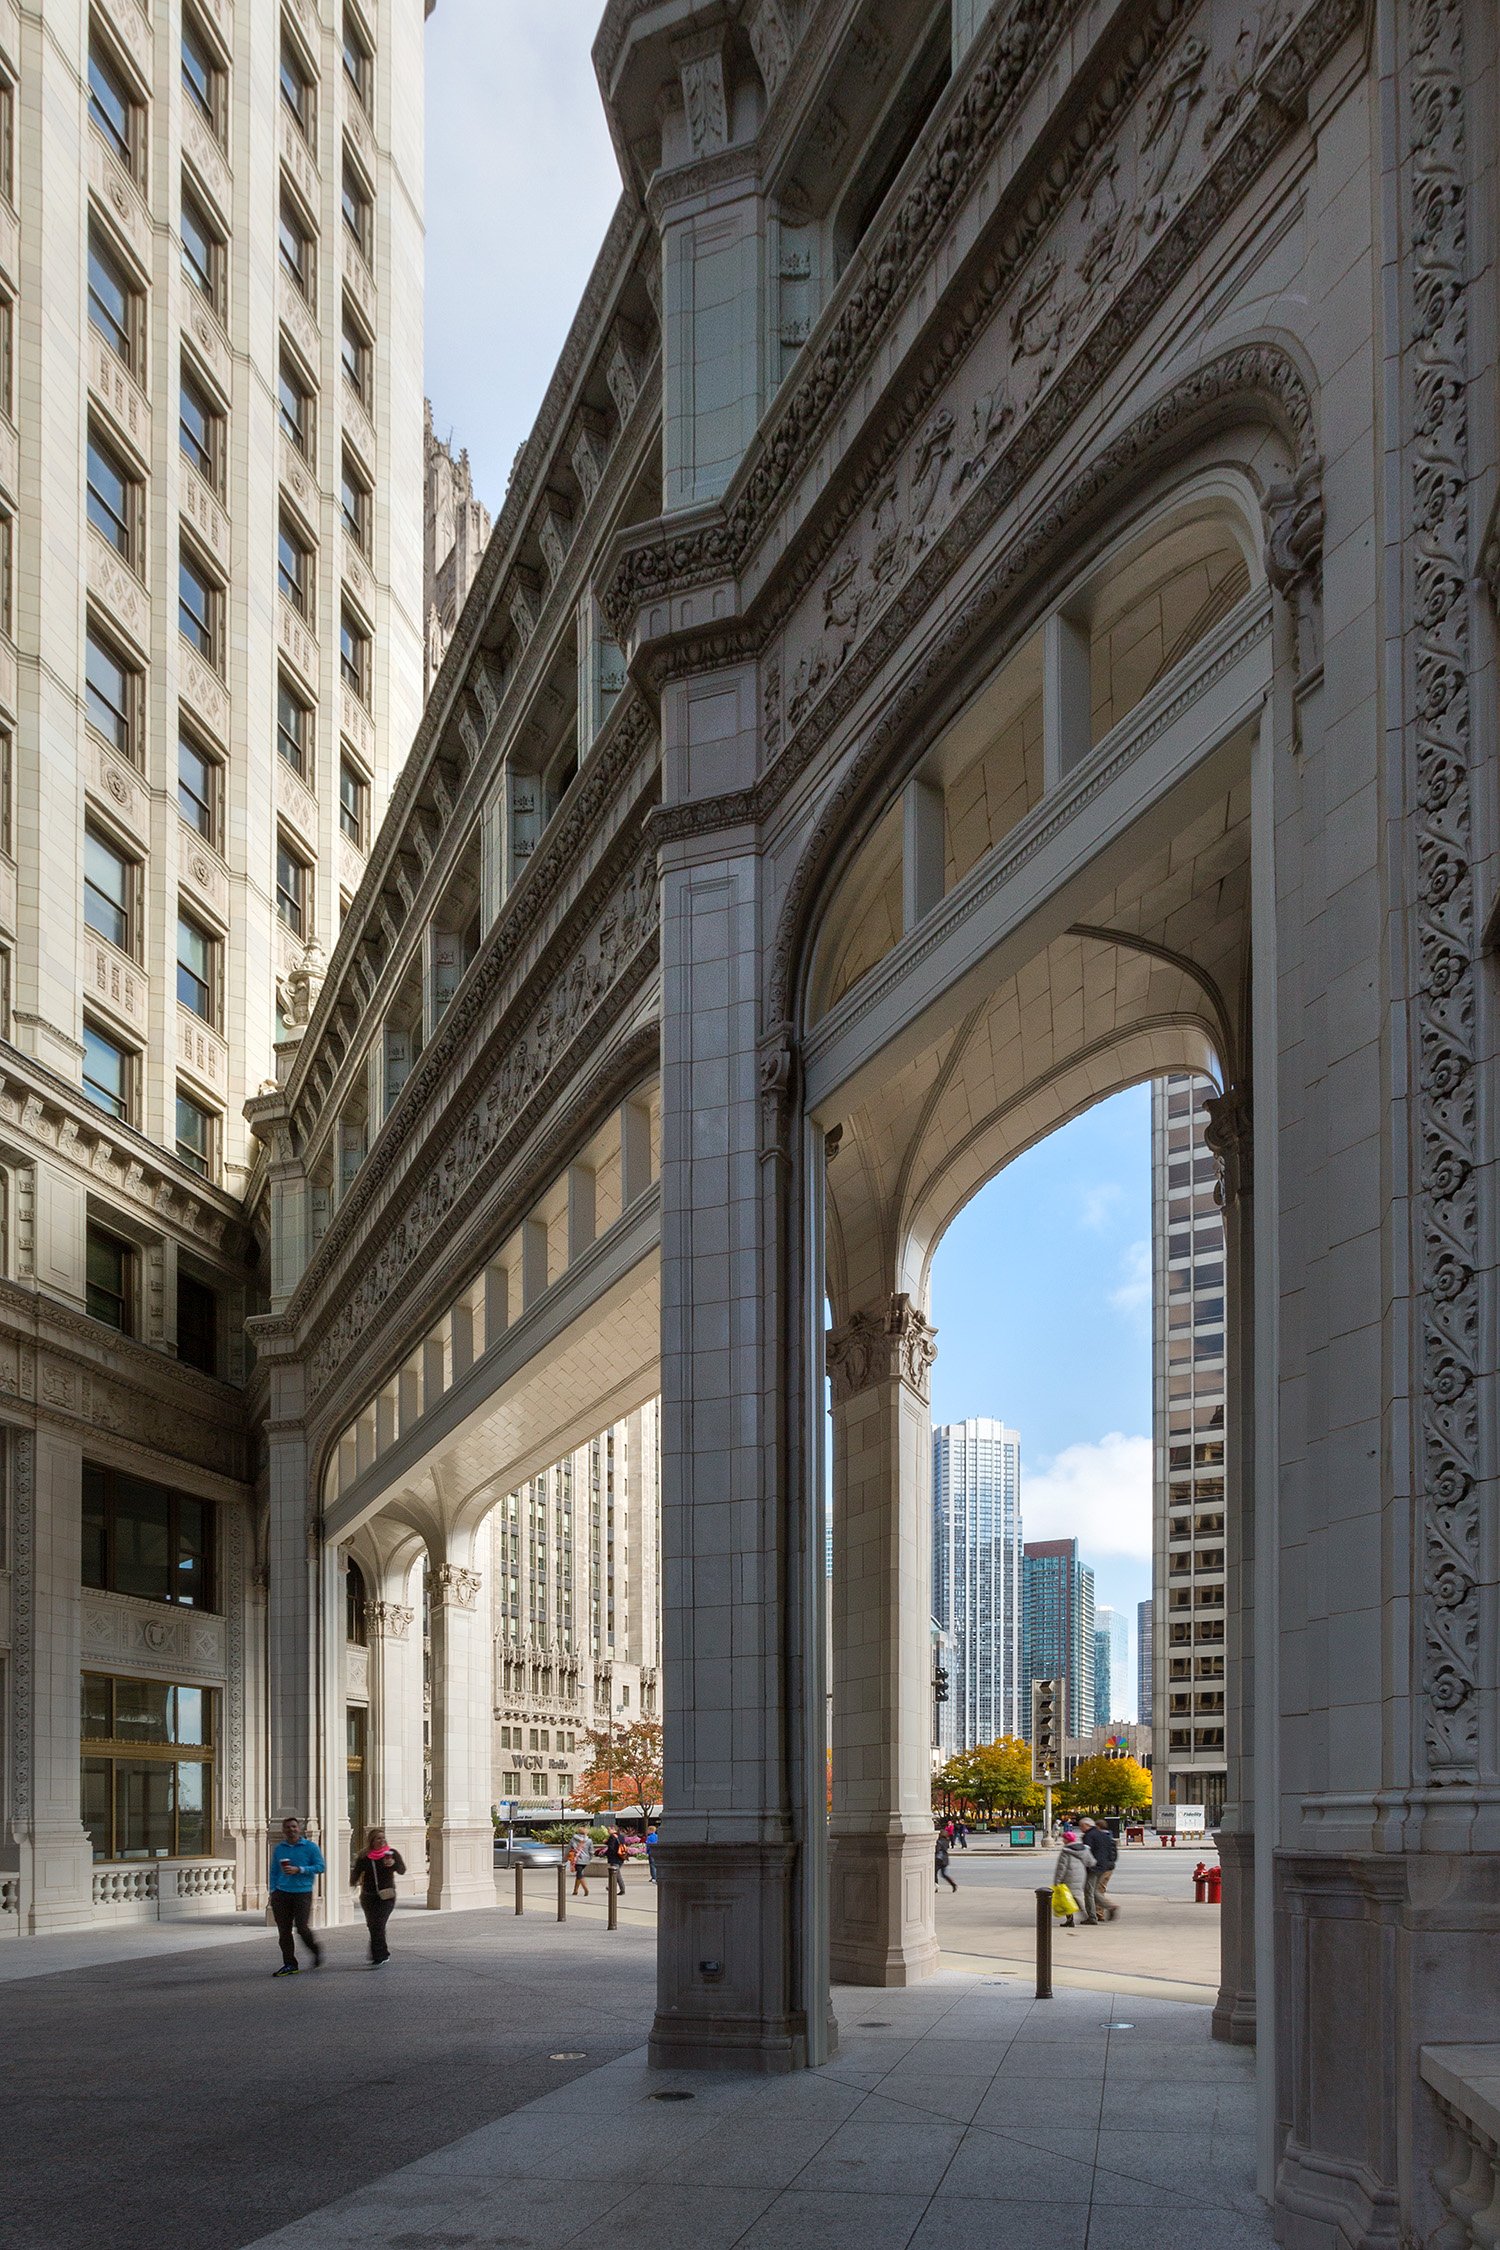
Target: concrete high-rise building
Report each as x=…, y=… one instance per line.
x=1058, y=1627
x=1187, y=1234
x=1111, y=1665
x=211, y=258
x=976, y=1574
x=1144, y=1678
x=455, y=533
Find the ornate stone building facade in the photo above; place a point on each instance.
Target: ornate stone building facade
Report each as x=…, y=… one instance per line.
x=455, y=527
x=210, y=492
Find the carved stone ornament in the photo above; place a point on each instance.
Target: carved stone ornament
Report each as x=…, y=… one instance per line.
x=1294, y=557
x=454, y=1587
x=881, y=1344
x=1229, y=1137
x=770, y=42
x=700, y=66
x=775, y=1086
x=388, y=1621
x=305, y=982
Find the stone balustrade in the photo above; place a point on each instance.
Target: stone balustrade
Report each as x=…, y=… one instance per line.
x=1466, y=2083
x=163, y=1890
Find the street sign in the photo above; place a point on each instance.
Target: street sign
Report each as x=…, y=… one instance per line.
x=1048, y=1726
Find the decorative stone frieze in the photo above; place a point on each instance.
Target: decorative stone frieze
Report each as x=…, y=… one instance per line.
x=886, y=1343
x=152, y=1637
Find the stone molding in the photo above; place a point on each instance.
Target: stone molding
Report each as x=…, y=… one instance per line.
x=1436, y=506
x=153, y=1636
x=388, y=1621
x=889, y=1343
x=454, y=1587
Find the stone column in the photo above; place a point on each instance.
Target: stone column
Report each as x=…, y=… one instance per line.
x=462, y=1868
x=880, y=1832
x=55, y=1855
x=393, y=1753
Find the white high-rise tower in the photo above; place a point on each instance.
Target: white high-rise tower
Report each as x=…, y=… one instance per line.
x=976, y=1573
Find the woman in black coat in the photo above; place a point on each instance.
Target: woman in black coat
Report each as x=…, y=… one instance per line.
x=375, y=1873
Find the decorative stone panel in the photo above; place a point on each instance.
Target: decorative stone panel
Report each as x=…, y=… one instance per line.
x=205, y=513
x=120, y=788
x=205, y=695
x=298, y=321
x=115, y=982
x=112, y=386
x=296, y=803
x=357, y=1673
x=201, y=1051
x=297, y=643
x=881, y=1344
x=360, y=280
x=212, y=344
x=359, y=430
x=298, y=159
x=10, y=460
x=207, y=159
x=120, y=594
x=203, y=872
x=351, y=865
x=356, y=724
x=7, y=894
x=152, y=1637
x=133, y=33
x=118, y=194
x=298, y=479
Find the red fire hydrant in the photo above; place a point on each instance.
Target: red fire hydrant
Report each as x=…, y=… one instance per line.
x=1215, y=1885
x=1200, y=1884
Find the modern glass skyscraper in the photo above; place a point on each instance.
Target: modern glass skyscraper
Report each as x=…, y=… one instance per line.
x=976, y=1575
x=1111, y=1665
x=1059, y=1626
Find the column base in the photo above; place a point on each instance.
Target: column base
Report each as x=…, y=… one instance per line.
x=1234, y=2010
x=881, y=1925
x=462, y=1872
x=724, y=1953
x=57, y=1880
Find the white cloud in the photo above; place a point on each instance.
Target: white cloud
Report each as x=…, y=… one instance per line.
x=1134, y=1293
x=1097, y=1204
x=1098, y=1494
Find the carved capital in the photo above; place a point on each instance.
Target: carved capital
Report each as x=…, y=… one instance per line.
x=881, y=1344
x=452, y=1587
x=775, y=1087
x=388, y=1621
x=1230, y=1138
x=1294, y=556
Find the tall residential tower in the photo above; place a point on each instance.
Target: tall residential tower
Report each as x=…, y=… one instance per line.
x=1059, y=1626
x=976, y=1575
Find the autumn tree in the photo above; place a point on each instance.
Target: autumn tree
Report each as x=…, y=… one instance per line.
x=994, y=1777
x=624, y=1768
x=1100, y=1785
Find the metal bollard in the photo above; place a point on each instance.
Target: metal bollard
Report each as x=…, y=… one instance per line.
x=614, y=1896
x=1044, y=1942
x=520, y=1903
x=562, y=1894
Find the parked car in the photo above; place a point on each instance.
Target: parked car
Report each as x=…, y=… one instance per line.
x=525, y=1851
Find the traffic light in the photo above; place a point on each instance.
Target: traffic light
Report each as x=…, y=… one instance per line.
x=940, y=1685
x=1048, y=1699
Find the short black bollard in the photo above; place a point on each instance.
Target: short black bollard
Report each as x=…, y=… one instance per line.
x=1044, y=1943
x=520, y=1903
x=562, y=1894
x=614, y=1897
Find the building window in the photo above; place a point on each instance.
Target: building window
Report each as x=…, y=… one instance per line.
x=114, y=109
x=7, y=358
x=141, y=1539
x=297, y=88
x=195, y=1136
x=293, y=729
x=359, y=65
x=197, y=967
x=355, y=495
x=202, y=77
x=109, y=881
x=114, y=500
x=296, y=249
x=354, y=656
x=197, y=1324
x=7, y=793
x=293, y=569
x=197, y=789
x=114, y=304
x=146, y=1775
x=295, y=409
x=8, y=141
x=7, y=575
x=198, y=609
x=359, y=211
x=203, y=253
x=355, y=1626
x=291, y=890
x=356, y=358
x=352, y=794
x=200, y=432
x=107, y=1073
x=112, y=695
x=110, y=1279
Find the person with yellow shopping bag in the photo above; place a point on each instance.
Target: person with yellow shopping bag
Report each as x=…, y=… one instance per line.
x=1069, y=1880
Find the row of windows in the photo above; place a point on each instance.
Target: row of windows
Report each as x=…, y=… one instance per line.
x=112, y=1288
x=111, y=1081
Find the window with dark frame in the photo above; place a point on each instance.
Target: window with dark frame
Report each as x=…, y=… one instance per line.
x=146, y=1776
x=203, y=76
x=359, y=63
x=110, y=1279
x=197, y=1323
x=109, y=881
x=354, y=494
x=359, y=210
x=354, y=656
x=356, y=1626
x=293, y=568
x=7, y=358
x=355, y=352
x=7, y=792
x=293, y=729
x=197, y=609
x=294, y=408
x=114, y=304
x=114, y=108
x=144, y=1539
x=8, y=575
x=195, y=1135
x=297, y=88
x=108, y=1069
x=113, y=499
x=203, y=253
x=8, y=141
x=291, y=889
x=197, y=788
x=352, y=794
x=295, y=248
x=197, y=968
x=200, y=431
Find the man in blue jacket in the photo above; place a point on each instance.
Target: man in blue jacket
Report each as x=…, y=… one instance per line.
x=296, y=1865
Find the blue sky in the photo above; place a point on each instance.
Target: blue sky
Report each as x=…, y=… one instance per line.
x=1042, y=1288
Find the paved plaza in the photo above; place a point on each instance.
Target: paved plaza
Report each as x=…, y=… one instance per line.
x=490, y=2088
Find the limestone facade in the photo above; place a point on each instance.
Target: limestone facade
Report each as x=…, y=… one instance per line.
x=455, y=527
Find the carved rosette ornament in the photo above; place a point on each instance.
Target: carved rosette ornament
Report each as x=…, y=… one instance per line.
x=881, y=1344
x=1437, y=502
x=454, y=1587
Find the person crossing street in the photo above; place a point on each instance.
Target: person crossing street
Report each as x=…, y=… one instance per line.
x=296, y=1864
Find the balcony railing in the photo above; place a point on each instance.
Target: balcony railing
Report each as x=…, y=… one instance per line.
x=1466, y=2084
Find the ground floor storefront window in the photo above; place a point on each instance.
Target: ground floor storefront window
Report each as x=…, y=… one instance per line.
x=147, y=1774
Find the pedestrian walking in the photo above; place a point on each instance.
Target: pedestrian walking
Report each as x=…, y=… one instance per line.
x=1104, y=1851
x=580, y=1855
x=1070, y=1881
x=374, y=1877
x=651, y=1851
x=963, y=1835
x=296, y=1864
x=942, y=1875
x=614, y=1857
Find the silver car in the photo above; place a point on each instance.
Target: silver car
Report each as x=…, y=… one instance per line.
x=525, y=1851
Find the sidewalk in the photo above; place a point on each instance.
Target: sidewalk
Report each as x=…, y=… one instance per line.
x=959, y=2110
